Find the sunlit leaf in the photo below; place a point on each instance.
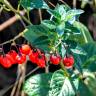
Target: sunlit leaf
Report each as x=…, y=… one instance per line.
x=61, y=85
x=37, y=85
x=48, y=23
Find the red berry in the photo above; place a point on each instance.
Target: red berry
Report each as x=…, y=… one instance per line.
x=25, y=49
x=13, y=61
x=6, y=61
x=33, y=56
x=41, y=61
x=20, y=58
x=55, y=59
x=68, y=61
x=13, y=54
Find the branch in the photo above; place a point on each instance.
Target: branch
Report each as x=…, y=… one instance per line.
x=7, y=4
x=40, y=14
x=16, y=37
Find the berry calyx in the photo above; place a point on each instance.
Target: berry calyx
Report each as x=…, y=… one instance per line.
x=68, y=61
x=25, y=49
x=20, y=58
x=55, y=59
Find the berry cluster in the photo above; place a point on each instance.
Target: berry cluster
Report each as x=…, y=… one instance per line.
x=68, y=61
x=35, y=56
x=12, y=57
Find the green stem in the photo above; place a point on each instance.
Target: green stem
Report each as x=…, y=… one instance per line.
x=18, y=8
x=64, y=69
x=28, y=15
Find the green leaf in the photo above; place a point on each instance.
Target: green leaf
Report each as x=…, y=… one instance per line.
x=78, y=50
x=54, y=13
x=83, y=89
x=61, y=86
x=73, y=12
x=91, y=83
x=85, y=36
x=37, y=85
x=42, y=42
x=60, y=9
x=30, y=4
x=72, y=44
x=88, y=61
x=69, y=28
x=37, y=35
x=60, y=28
x=48, y=23
x=35, y=31
x=87, y=87
x=63, y=51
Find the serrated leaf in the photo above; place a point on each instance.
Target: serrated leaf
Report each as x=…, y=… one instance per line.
x=30, y=4
x=63, y=51
x=78, y=63
x=72, y=44
x=35, y=31
x=60, y=29
x=60, y=85
x=48, y=23
x=42, y=42
x=89, y=60
x=61, y=11
x=37, y=85
x=54, y=13
x=62, y=7
x=37, y=35
x=73, y=12
x=79, y=50
x=71, y=29
x=85, y=36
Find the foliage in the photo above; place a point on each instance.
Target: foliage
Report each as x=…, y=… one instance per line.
x=38, y=85
x=61, y=34
x=64, y=34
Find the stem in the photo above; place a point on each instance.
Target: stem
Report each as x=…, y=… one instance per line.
x=58, y=44
x=18, y=8
x=28, y=16
x=32, y=71
x=5, y=2
x=9, y=22
x=40, y=14
x=16, y=83
x=51, y=3
x=64, y=69
x=74, y=3
x=47, y=69
x=16, y=37
x=23, y=23
x=22, y=69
